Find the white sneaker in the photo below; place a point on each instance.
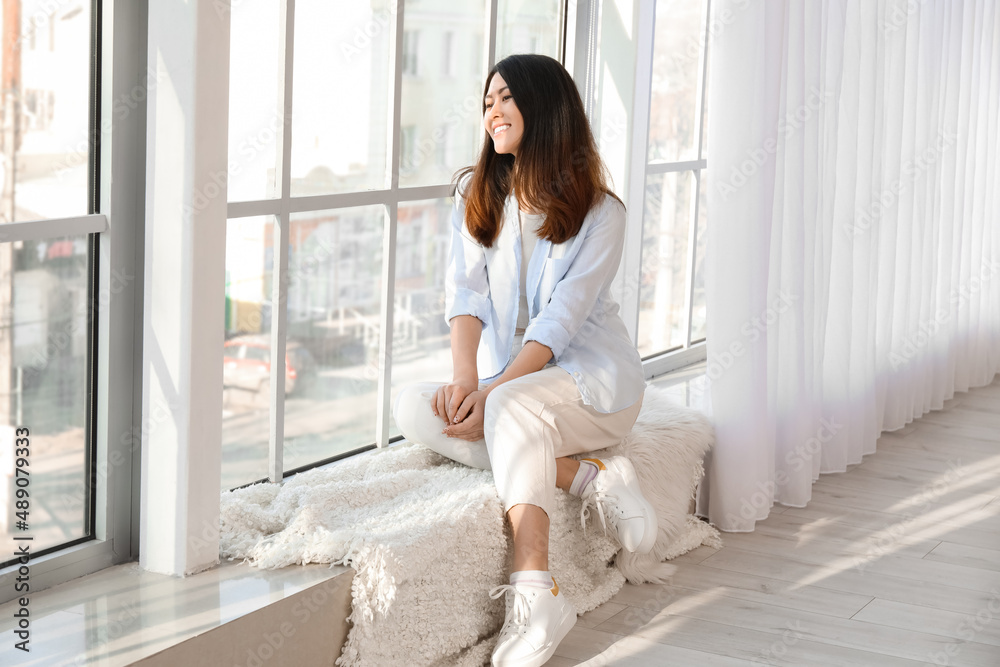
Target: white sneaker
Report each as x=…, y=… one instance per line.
x=616, y=493
x=537, y=620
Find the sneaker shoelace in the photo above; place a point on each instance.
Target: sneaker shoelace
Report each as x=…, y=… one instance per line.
x=518, y=612
x=598, y=498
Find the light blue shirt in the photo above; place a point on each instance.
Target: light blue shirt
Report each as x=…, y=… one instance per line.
x=570, y=305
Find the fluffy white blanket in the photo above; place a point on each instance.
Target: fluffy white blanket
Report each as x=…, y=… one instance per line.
x=427, y=538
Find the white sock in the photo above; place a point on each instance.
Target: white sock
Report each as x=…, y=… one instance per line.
x=584, y=476
x=538, y=578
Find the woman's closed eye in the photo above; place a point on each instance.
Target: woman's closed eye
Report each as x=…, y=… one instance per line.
x=489, y=103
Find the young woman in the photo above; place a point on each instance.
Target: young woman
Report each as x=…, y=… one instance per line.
x=543, y=365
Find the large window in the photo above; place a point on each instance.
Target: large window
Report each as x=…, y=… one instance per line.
x=47, y=291
x=345, y=132
x=71, y=173
x=672, y=286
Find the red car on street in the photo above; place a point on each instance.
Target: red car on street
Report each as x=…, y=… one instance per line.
x=247, y=363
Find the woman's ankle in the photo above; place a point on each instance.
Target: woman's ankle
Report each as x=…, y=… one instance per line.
x=566, y=469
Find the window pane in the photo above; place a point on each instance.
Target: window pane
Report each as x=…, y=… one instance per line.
x=334, y=295
x=421, y=346
x=342, y=79
x=529, y=26
x=699, y=311
x=45, y=82
x=254, y=103
x=43, y=359
x=246, y=356
x=664, y=261
x=443, y=70
x=673, y=131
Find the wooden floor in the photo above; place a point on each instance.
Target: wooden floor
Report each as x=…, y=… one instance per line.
x=894, y=562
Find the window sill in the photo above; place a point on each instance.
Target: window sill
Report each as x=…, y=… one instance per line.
x=123, y=615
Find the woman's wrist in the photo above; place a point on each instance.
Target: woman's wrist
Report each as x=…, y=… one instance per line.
x=491, y=386
x=466, y=377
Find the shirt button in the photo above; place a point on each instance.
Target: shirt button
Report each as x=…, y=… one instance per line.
x=576, y=374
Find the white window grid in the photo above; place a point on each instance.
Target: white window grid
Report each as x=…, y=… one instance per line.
x=390, y=196
x=283, y=206
x=691, y=351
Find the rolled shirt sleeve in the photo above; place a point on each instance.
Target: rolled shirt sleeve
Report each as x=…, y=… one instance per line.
x=467, y=286
x=588, y=276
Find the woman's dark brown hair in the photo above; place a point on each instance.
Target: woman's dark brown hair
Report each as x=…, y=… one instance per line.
x=558, y=170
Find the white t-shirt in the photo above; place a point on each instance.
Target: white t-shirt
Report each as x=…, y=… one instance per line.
x=530, y=224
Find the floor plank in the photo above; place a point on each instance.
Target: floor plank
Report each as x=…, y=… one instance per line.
x=960, y=554
x=634, y=651
x=848, y=577
x=805, y=532
x=752, y=632
x=597, y=616
x=961, y=528
x=772, y=591
x=782, y=645
x=919, y=646
x=894, y=562
x=947, y=623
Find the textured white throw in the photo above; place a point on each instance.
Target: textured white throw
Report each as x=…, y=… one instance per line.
x=427, y=538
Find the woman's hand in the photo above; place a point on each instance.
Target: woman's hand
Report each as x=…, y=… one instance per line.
x=449, y=398
x=469, y=418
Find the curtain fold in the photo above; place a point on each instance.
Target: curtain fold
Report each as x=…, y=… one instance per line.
x=853, y=267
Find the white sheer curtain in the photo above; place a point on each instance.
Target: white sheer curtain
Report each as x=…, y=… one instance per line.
x=853, y=275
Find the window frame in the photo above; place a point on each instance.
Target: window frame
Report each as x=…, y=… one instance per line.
x=117, y=163
x=691, y=351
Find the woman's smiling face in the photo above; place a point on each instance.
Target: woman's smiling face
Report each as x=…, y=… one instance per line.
x=502, y=118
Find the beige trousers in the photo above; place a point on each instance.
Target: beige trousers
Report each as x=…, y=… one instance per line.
x=529, y=423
